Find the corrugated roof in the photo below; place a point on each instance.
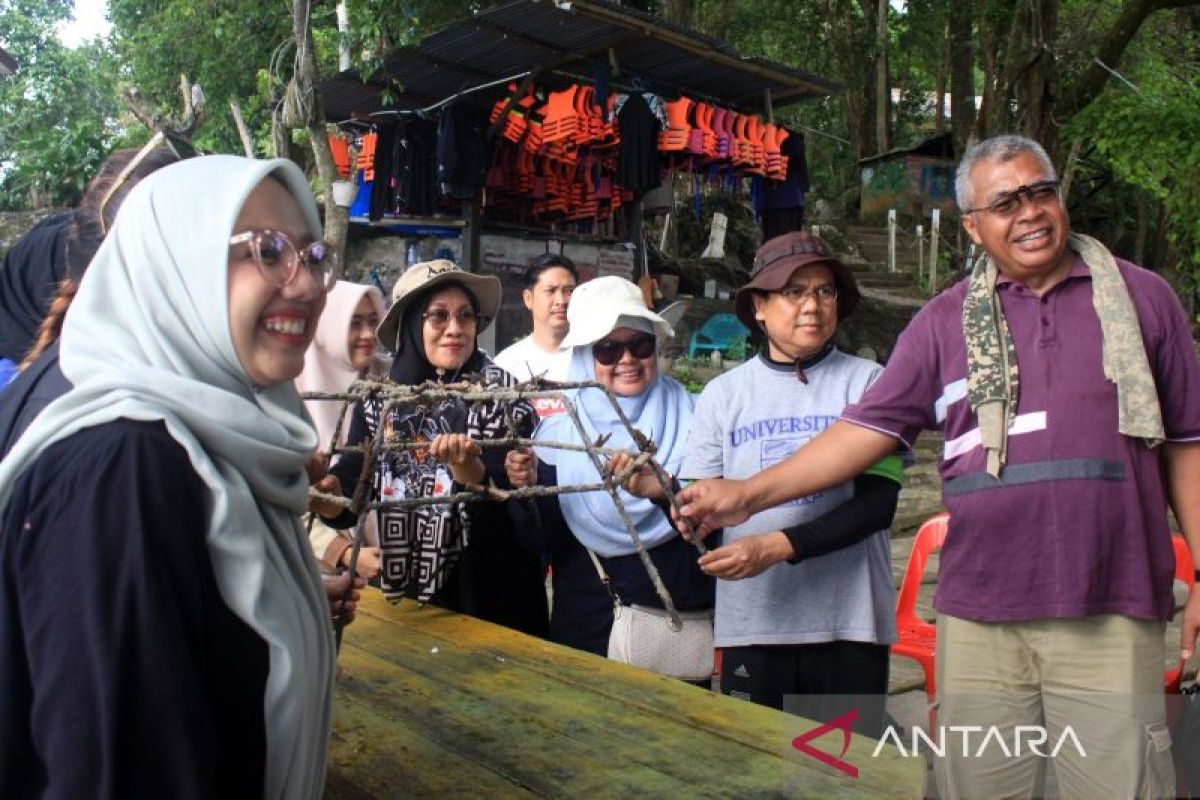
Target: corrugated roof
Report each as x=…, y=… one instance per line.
x=8, y=64
x=570, y=38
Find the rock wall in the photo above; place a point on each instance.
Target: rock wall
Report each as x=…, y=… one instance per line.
x=13, y=225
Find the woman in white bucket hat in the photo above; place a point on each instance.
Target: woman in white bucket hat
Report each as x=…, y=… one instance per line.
x=461, y=556
x=615, y=341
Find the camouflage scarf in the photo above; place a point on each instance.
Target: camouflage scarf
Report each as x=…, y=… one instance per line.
x=992, y=374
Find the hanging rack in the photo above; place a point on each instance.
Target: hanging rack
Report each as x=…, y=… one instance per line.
x=471, y=90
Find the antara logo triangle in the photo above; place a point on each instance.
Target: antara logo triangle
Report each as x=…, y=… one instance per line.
x=842, y=723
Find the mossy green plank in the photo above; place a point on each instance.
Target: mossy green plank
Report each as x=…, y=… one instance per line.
x=630, y=737
x=386, y=757
x=728, y=718
x=517, y=746
x=486, y=679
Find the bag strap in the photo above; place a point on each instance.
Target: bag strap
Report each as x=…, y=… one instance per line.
x=604, y=579
x=660, y=587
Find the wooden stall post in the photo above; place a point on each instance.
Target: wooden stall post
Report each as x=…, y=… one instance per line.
x=891, y=240
x=920, y=250
x=934, y=235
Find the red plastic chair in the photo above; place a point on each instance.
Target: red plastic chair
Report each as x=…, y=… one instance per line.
x=918, y=638
x=1184, y=571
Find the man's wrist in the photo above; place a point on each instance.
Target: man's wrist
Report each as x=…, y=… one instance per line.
x=752, y=494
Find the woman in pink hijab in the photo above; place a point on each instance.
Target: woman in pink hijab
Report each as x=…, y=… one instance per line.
x=342, y=351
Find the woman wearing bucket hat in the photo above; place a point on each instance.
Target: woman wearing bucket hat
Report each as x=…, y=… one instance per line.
x=461, y=556
x=614, y=340
x=805, y=600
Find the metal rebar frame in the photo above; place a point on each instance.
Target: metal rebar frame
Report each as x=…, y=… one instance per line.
x=393, y=396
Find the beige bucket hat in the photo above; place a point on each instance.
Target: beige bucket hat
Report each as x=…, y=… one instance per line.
x=426, y=275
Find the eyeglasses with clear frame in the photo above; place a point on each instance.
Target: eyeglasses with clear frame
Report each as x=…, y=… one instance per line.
x=279, y=260
x=796, y=295
x=1006, y=204
x=439, y=318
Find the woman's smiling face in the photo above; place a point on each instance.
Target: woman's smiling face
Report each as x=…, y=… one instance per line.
x=271, y=326
x=630, y=375
x=450, y=342
x=360, y=342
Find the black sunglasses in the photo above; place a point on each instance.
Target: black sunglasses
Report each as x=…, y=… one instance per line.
x=1007, y=203
x=608, y=352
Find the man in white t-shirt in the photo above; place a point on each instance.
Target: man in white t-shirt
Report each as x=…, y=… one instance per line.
x=549, y=282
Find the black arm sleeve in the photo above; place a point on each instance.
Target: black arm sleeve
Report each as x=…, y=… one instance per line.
x=122, y=671
x=870, y=510
x=347, y=467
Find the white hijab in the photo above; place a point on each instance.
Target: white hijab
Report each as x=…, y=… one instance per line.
x=148, y=339
x=327, y=366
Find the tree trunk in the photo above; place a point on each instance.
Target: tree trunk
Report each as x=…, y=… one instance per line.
x=883, y=95
x=337, y=219
x=1035, y=83
x=1143, y=229
x=720, y=19
x=281, y=144
x=989, y=56
x=847, y=48
x=962, y=74
x=1109, y=51
x=681, y=12
x=848, y=43
x=939, y=86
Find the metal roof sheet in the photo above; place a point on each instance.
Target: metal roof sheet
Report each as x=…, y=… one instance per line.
x=569, y=38
x=8, y=64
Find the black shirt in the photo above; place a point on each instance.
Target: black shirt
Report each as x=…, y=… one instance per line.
x=34, y=388
x=122, y=671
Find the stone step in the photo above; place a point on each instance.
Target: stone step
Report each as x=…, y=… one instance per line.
x=883, y=279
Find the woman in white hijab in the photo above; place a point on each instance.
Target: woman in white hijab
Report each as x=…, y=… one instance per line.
x=163, y=631
x=343, y=350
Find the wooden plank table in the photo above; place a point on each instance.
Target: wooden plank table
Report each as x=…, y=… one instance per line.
x=437, y=704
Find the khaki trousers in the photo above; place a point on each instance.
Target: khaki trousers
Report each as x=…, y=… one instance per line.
x=1100, y=676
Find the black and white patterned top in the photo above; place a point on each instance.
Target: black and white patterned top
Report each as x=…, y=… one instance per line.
x=422, y=545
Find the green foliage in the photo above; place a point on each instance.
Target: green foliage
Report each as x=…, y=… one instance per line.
x=57, y=113
x=1148, y=137
x=223, y=45
x=685, y=373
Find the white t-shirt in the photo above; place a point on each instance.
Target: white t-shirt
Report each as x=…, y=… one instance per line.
x=524, y=360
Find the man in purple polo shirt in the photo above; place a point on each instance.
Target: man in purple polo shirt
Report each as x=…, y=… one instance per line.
x=1054, y=372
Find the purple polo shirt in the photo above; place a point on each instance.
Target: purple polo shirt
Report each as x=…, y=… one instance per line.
x=1077, y=524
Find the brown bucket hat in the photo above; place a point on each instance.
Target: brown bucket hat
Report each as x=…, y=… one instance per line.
x=778, y=258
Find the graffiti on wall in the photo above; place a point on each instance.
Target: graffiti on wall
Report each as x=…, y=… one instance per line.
x=914, y=185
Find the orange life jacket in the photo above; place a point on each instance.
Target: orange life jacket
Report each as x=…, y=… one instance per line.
x=560, y=117
x=741, y=150
x=339, y=147
x=722, y=137
x=701, y=140
x=366, y=156
x=675, y=136
x=776, y=160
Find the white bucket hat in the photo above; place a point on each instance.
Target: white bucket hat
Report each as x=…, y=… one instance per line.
x=597, y=307
x=426, y=275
